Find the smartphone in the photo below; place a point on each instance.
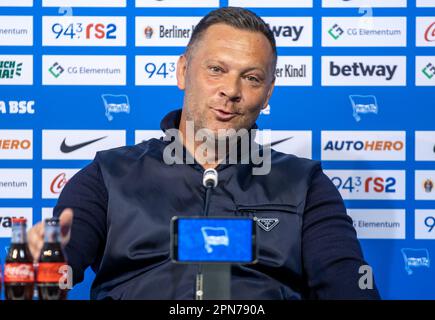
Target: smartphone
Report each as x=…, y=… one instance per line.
x=199, y=239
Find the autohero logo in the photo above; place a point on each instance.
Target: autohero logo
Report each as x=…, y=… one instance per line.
x=425, y=32
x=17, y=107
x=85, y=3
x=271, y=3
x=424, y=185
x=177, y=4
x=368, y=71
x=54, y=180
x=16, y=3
x=16, y=31
x=294, y=71
x=6, y=216
x=84, y=70
x=16, y=70
x=425, y=145
x=425, y=70
x=378, y=223
x=16, y=183
x=164, y=31
x=352, y=32
x=364, y=3
x=369, y=185
x=156, y=70
x=363, y=145
x=84, y=31
x=292, y=31
x=16, y=144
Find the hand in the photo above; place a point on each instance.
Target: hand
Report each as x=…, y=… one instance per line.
x=35, y=235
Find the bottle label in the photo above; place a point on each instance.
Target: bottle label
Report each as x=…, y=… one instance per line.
x=50, y=271
x=19, y=272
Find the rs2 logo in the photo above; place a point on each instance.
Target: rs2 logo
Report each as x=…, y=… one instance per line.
x=378, y=184
x=75, y=30
x=101, y=31
x=356, y=183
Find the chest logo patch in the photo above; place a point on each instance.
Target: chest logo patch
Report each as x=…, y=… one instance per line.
x=267, y=224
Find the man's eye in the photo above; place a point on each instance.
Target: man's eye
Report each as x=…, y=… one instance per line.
x=253, y=79
x=215, y=69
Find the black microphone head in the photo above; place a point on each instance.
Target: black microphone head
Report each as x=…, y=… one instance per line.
x=210, y=178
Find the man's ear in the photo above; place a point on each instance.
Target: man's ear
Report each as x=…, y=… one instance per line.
x=181, y=72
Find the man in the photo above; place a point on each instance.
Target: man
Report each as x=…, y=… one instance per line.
x=118, y=209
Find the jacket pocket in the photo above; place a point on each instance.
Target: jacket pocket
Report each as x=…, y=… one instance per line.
x=278, y=233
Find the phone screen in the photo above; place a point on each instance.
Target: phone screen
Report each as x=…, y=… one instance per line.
x=213, y=239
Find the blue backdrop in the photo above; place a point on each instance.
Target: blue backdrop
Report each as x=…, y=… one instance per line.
x=394, y=214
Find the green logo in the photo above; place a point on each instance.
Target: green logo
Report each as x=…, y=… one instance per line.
x=10, y=69
x=429, y=71
x=56, y=70
x=335, y=32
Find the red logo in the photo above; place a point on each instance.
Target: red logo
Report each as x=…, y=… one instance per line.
x=58, y=183
x=429, y=35
x=19, y=272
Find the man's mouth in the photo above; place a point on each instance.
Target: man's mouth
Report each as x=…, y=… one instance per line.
x=223, y=115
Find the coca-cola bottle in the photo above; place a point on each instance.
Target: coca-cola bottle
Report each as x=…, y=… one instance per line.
x=52, y=264
x=19, y=275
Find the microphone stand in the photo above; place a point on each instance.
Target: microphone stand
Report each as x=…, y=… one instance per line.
x=213, y=281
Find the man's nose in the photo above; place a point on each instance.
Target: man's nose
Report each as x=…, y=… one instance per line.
x=231, y=88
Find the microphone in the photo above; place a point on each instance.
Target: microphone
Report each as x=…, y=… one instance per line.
x=210, y=181
x=210, y=178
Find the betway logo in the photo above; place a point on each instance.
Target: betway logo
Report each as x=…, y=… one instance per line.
x=6, y=215
x=364, y=145
x=291, y=31
x=359, y=69
x=370, y=71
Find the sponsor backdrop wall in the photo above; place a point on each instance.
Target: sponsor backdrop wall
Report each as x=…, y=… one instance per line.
x=355, y=89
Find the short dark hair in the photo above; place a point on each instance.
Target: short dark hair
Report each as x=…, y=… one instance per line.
x=236, y=17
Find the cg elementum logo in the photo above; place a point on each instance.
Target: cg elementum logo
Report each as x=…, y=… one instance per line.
x=429, y=71
x=10, y=69
x=56, y=70
x=335, y=32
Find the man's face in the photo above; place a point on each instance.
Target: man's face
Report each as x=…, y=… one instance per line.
x=227, y=78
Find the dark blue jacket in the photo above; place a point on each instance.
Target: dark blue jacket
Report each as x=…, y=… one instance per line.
x=124, y=200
